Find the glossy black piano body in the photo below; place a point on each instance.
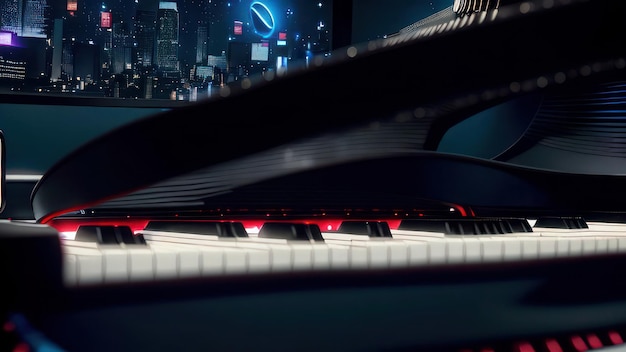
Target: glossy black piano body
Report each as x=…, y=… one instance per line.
x=373, y=156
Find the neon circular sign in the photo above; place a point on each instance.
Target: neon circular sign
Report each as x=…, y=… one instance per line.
x=262, y=19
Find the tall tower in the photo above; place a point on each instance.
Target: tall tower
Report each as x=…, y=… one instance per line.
x=145, y=27
x=34, y=20
x=218, y=21
x=202, y=44
x=11, y=16
x=57, y=51
x=26, y=18
x=167, y=36
x=120, y=47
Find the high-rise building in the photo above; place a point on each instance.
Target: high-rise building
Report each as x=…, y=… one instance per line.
x=11, y=16
x=202, y=43
x=57, y=50
x=86, y=62
x=145, y=27
x=67, y=61
x=34, y=23
x=26, y=18
x=167, y=37
x=219, y=19
x=218, y=61
x=121, y=45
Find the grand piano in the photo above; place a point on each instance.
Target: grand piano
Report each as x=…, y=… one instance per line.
x=322, y=208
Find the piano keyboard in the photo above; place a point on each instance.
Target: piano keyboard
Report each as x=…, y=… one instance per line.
x=108, y=254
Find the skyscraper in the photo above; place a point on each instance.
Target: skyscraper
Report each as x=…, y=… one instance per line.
x=26, y=18
x=34, y=20
x=11, y=16
x=121, y=47
x=145, y=26
x=167, y=37
x=202, y=45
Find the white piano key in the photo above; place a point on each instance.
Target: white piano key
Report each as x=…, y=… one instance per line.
x=562, y=247
x=115, y=264
x=196, y=258
x=588, y=245
x=339, y=256
x=433, y=250
x=546, y=247
x=455, y=250
x=617, y=228
x=418, y=252
x=70, y=269
x=149, y=234
x=602, y=245
x=413, y=233
x=188, y=262
x=495, y=248
x=279, y=255
x=437, y=251
x=621, y=244
x=512, y=248
x=178, y=255
x=417, y=247
x=530, y=248
x=358, y=257
x=321, y=256
x=399, y=254
x=165, y=262
x=377, y=255
x=234, y=261
x=364, y=251
x=141, y=263
x=265, y=255
x=304, y=255
x=612, y=245
x=119, y=263
x=383, y=252
x=575, y=246
x=88, y=265
x=473, y=249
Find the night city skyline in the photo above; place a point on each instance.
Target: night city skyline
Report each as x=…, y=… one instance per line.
x=151, y=48
x=158, y=49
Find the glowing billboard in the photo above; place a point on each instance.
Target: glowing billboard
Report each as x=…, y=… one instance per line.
x=72, y=5
x=238, y=28
x=6, y=38
x=262, y=19
x=260, y=51
x=105, y=19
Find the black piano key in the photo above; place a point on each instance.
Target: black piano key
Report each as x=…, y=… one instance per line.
x=108, y=234
x=291, y=231
x=96, y=234
x=562, y=222
x=125, y=235
x=214, y=228
x=470, y=226
x=367, y=228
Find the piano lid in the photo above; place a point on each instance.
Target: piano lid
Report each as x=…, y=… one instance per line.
x=377, y=146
